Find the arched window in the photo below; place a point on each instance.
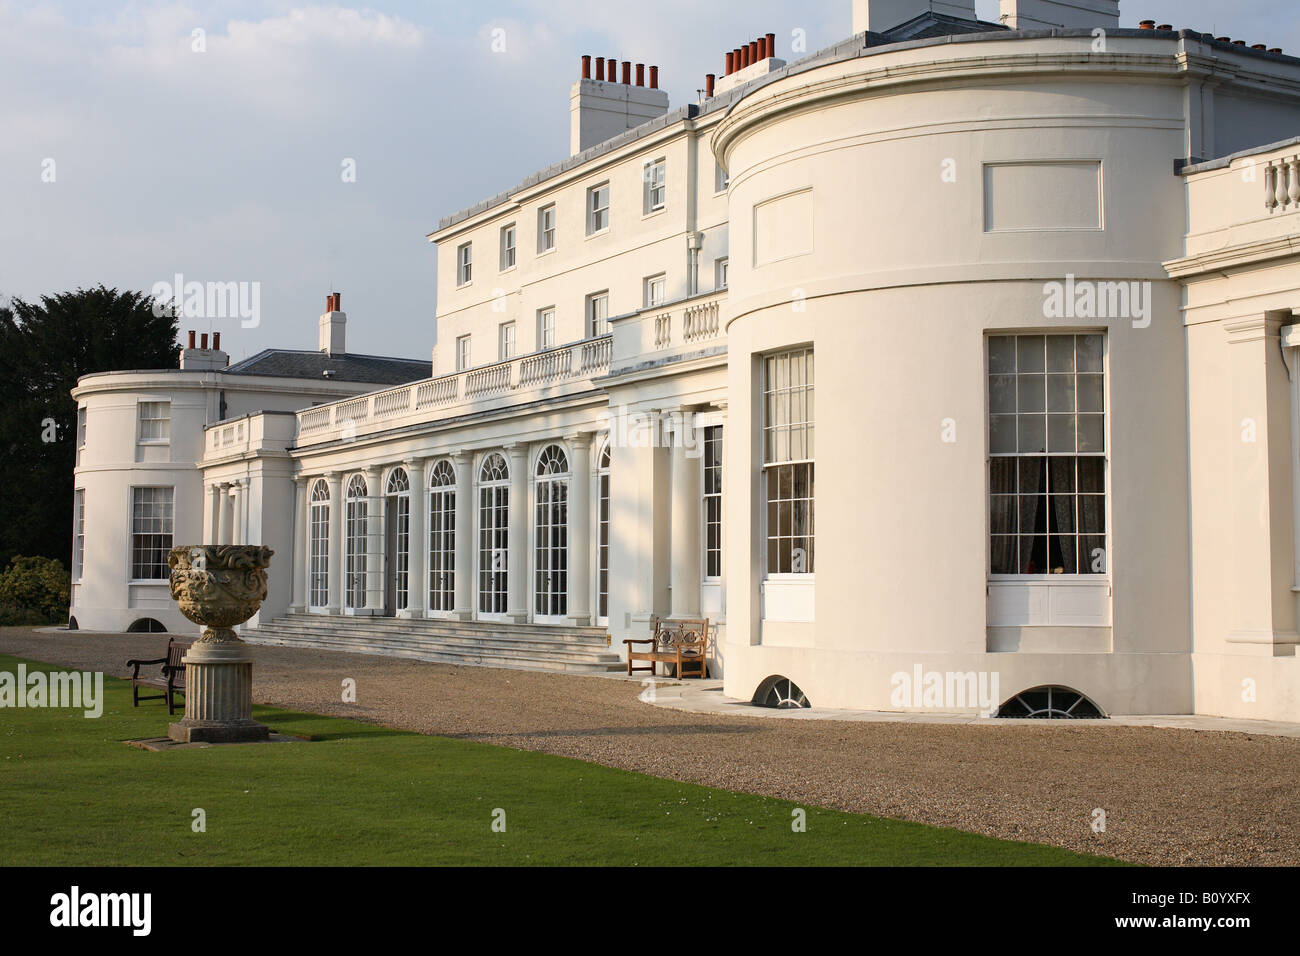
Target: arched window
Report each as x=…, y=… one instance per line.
x=602, y=534
x=399, y=489
x=355, y=528
x=442, y=537
x=493, y=535
x=318, y=562
x=551, y=545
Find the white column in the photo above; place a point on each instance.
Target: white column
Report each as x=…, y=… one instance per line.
x=301, y=544
x=579, y=597
x=376, y=539
x=465, y=535
x=417, y=577
x=334, y=562
x=223, y=513
x=684, y=573
x=519, y=561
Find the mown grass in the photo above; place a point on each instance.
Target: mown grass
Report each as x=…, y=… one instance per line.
x=72, y=793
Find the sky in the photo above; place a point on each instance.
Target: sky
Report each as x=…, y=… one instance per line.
x=308, y=147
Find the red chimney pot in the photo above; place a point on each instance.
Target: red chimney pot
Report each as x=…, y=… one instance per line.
x=203, y=340
x=191, y=345
x=640, y=74
x=600, y=68
x=654, y=77
x=216, y=340
x=709, y=80
x=627, y=72
x=771, y=44
x=586, y=66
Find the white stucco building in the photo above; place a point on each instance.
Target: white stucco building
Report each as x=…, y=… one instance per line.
x=1019, y=295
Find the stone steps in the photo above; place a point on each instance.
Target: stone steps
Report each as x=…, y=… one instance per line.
x=518, y=646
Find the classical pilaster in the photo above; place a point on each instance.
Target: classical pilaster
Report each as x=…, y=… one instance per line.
x=684, y=574
x=301, y=544
x=237, y=498
x=464, y=570
x=519, y=562
x=417, y=576
x=579, y=597
x=376, y=539
x=334, y=563
x=1263, y=610
x=209, y=513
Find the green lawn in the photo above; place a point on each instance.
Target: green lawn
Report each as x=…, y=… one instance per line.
x=73, y=794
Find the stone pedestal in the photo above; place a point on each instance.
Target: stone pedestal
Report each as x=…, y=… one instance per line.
x=218, y=696
x=218, y=586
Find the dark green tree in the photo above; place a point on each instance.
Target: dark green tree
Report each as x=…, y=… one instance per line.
x=44, y=348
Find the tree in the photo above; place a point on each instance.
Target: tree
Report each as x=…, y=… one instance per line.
x=44, y=348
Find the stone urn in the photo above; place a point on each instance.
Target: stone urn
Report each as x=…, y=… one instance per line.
x=218, y=586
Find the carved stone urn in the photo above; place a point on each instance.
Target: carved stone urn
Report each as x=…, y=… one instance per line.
x=218, y=586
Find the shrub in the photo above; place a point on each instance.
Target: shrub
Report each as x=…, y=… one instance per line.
x=36, y=587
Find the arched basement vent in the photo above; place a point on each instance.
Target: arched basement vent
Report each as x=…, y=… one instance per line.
x=145, y=625
x=1051, y=703
x=780, y=692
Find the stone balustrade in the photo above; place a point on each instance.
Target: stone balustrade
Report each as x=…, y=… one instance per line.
x=405, y=404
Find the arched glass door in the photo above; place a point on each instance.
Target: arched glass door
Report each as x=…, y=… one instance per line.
x=551, y=540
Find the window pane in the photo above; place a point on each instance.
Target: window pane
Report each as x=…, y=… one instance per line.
x=1091, y=434
x=1031, y=393
x=1089, y=353
x=1060, y=433
x=1091, y=393
x=1092, y=554
x=1029, y=353
x=1092, y=514
x=1002, y=514
x=1033, y=434
x=1002, y=476
x=1060, y=353
x=1060, y=393
x=1002, y=434
x=1060, y=475
x=1092, y=475
x=1002, y=559
x=1002, y=354
x=1002, y=394
x=1033, y=554
x=1032, y=476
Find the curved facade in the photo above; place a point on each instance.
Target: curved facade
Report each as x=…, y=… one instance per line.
x=1009, y=176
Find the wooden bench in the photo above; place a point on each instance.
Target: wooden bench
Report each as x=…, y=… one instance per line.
x=682, y=643
x=171, y=681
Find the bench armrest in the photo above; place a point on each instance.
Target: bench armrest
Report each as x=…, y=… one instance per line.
x=161, y=660
x=638, y=640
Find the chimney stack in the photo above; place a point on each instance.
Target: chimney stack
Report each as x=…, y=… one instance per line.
x=202, y=358
x=602, y=108
x=333, y=325
x=709, y=80
x=747, y=62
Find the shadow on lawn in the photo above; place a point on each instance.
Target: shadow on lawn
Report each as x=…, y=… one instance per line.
x=320, y=727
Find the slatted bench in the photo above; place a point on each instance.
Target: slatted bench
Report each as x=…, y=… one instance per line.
x=682, y=643
x=171, y=680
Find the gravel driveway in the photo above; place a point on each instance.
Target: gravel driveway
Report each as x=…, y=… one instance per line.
x=1170, y=796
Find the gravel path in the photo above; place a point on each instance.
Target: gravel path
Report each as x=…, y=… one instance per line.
x=1171, y=796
